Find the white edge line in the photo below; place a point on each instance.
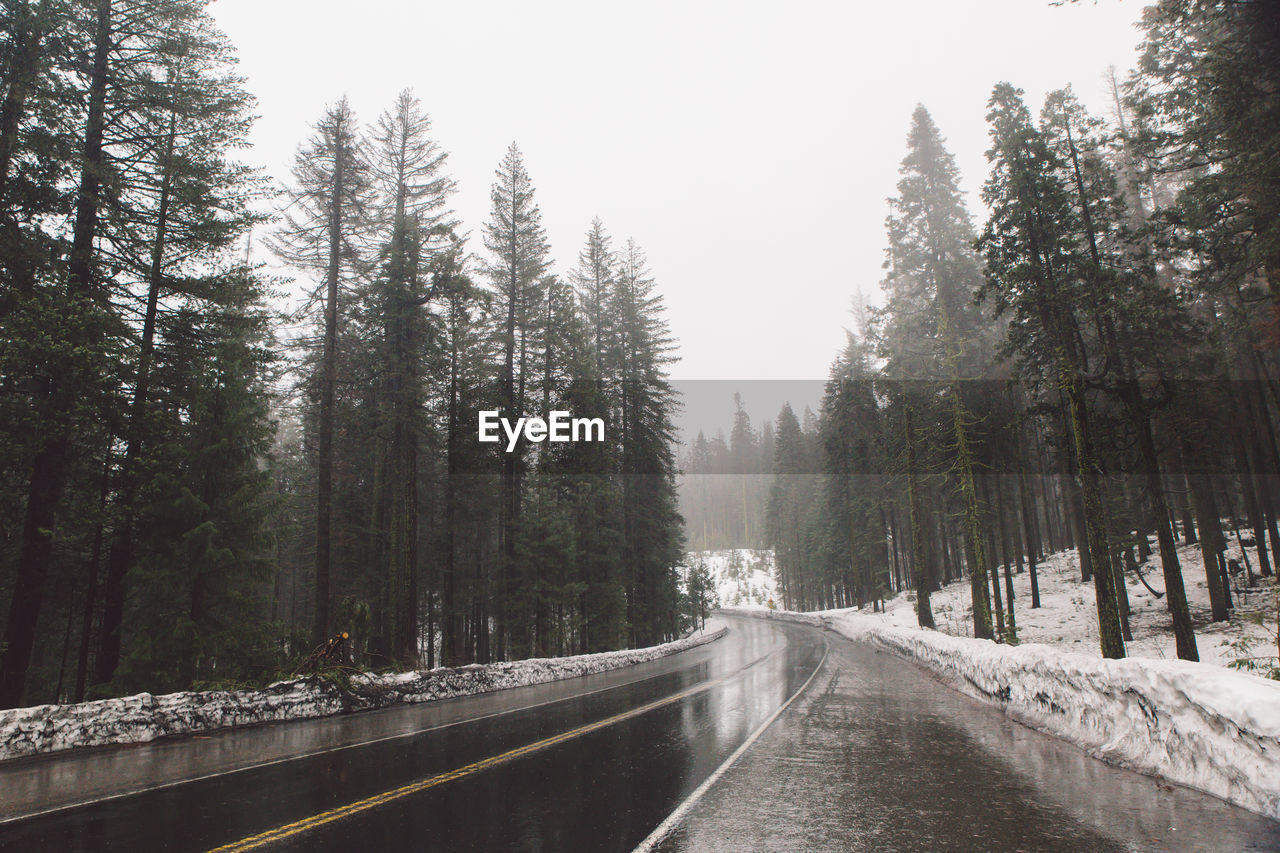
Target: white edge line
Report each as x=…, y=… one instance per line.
x=664, y=829
x=285, y=759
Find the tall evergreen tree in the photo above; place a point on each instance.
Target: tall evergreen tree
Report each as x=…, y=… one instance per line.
x=407, y=166
x=322, y=231
x=195, y=202
x=652, y=536
x=517, y=244
x=202, y=577
x=1132, y=312
x=1208, y=99
x=1032, y=271
x=933, y=335
x=593, y=280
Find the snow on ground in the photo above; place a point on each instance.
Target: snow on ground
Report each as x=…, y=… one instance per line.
x=741, y=577
x=135, y=719
x=1067, y=617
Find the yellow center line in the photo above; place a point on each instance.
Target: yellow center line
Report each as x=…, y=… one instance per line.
x=280, y=833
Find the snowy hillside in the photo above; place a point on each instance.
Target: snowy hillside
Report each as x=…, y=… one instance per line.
x=1067, y=617
x=741, y=577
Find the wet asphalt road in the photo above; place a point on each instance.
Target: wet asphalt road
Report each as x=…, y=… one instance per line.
x=878, y=755
x=874, y=755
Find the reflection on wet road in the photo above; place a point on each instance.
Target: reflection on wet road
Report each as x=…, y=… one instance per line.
x=879, y=755
x=602, y=789
x=873, y=755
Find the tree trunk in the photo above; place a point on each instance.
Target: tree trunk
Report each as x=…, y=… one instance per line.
x=1211, y=540
x=1032, y=535
x=451, y=622
x=328, y=395
x=1012, y=627
x=1110, y=638
x=91, y=584
x=924, y=613
x=1175, y=592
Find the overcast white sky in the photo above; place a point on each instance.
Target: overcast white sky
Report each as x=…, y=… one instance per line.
x=747, y=146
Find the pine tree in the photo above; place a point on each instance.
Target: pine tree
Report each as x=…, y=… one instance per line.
x=329, y=201
x=593, y=281
x=64, y=379
x=517, y=244
x=602, y=608
x=1208, y=103
x=652, y=536
x=853, y=454
x=1129, y=308
x=1032, y=265
x=413, y=194
x=200, y=611
x=470, y=501
x=931, y=330
x=784, y=512
x=202, y=206
x=37, y=137
x=700, y=590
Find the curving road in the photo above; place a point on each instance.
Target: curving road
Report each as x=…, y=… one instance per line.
x=872, y=753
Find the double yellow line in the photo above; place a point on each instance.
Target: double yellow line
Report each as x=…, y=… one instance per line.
x=289, y=830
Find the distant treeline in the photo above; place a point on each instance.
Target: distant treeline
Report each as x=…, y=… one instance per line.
x=724, y=484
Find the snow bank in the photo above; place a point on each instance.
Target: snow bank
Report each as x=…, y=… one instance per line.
x=1199, y=725
x=144, y=717
x=1068, y=619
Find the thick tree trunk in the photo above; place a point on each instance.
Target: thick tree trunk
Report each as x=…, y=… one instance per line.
x=328, y=396
x=1211, y=541
x=1079, y=532
x=1031, y=536
x=91, y=584
x=1110, y=638
x=1175, y=592
x=924, y=613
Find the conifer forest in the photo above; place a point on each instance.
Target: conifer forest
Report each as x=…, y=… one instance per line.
x=702, y=427
x=194, y=495
x=202, y=482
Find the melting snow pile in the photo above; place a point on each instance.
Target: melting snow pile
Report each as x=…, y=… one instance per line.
x=144, y=717
x=741, y=577
x=1200, y=725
